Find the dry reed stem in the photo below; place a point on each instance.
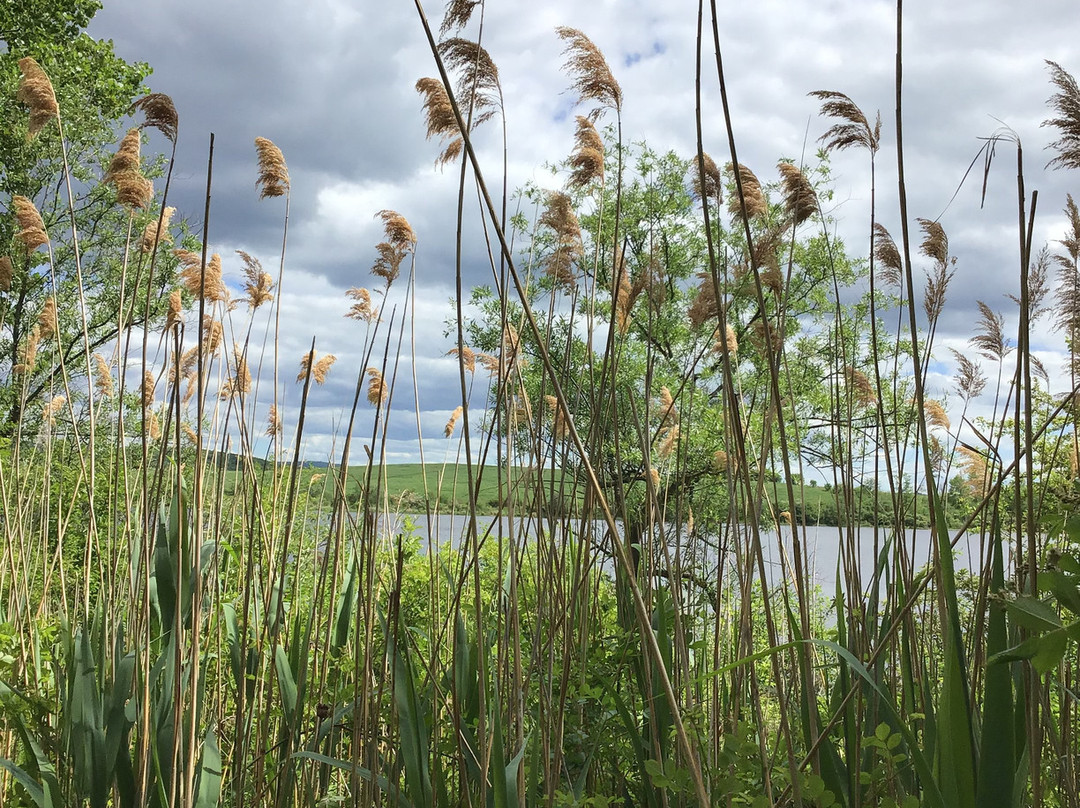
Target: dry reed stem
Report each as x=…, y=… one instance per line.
x=36, y=92
x=31, y=232
x=159, y=112
x=273, y=179
x=587, y=67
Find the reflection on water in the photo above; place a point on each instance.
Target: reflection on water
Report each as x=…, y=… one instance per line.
x=823, y=546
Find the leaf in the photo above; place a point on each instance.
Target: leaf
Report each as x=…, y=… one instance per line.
x=208, y=788
x=1032, y=613
x=286, y=682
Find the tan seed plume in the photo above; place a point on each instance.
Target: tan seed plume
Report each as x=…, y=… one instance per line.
x=103, y=380
x=1065, y=104
x=210, y=287
x=457, y=14
x=668, y=442
x=704, y=307
x=560, y=217
x=589, y=71
x=273, y=179
x=274, y=426
x=439, y=119
x=860, y=387
x=800, y=199
x=560, y=427
x=146, y=389
x=28, y=351
x=668, y=414
x=448, y=430
x=378, y=390
x=47, y=323
x=362, y=309
x=31, y=232
x=257, y=283
x=400, y=241
x=890, y=265
x=212, y=333
x=157, y=232
x=468, y=357
x=623, y=301
x=713, y=184
x=153, y=426
x=176, y=310
x=587, y=159
x=478, y=93
x=322, y=367
x=853, y=128
x=36, y=92
x=753, y=196
x=159, y=112
x=935, y=413
x=133, y=190
x=53, y=407
x=7, y=272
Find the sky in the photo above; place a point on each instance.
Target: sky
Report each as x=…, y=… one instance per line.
x=331, y=82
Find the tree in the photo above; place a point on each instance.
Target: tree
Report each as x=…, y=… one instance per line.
x=94, y=90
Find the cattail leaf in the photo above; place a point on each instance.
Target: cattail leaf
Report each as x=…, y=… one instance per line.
x=208, y=786
x=412, y=724
x=286, y=682
x=346, y=605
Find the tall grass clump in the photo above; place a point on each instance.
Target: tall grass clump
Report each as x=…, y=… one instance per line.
x=677, y=374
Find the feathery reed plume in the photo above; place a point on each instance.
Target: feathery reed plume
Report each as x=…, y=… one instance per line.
x=47, y=323
x=935, y=413
x=989, y=339
x=890, y=265
x=153, y=426
x=448, y=430
x=587, y=67
x=936, y=244
x=274, y=426
x=587, y=159
x=559, y=216
x=241, y=377
x=362, y=308
x=560, y=427
x=175, y=315
x=730, y=340
x=400, y=241
x=765, y=256
x=210, y=287
x=970, y=379
x=157, y=232
x=257, y=283
x=668, y=442
x=976, y=472
x=32, y=229
x=36, y=92
x=189, y=433
x=133, y=190
x=654, y=475
x=713, y=184
x=7, y=272
x=478, y=81
x=800, y=199
x=322, y=367
x=103, y=380
x=159, y=112
x=668, y=414
x=860, y=387
x=1067, y=294
x=704, y=307
x=723, y=463
x=1066, y=104
x=212, y=333
x=28, y=351
x=766, y=336
x=468, y=357
x=1038, y=284
x=457, y=14
x=378, y=390
x=439, y=119
x=146, y=389
x=52, y=408
x=273, y=177
x=853, y=129
x=753, y=196
x=624, y=301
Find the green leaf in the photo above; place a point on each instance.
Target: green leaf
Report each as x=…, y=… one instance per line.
x=208, y=786
x=1032, y=613
x=286, y=682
